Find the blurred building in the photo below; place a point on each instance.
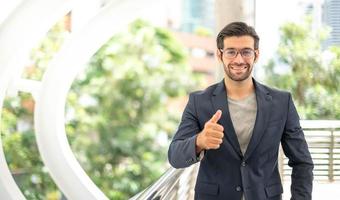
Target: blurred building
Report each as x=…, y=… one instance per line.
x=331, y=17
x=313, y=8
x=196, y=14
x=196, y=34
x=324, y=12
x=201, y=54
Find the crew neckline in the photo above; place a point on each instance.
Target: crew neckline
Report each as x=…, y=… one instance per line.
x=244, y=99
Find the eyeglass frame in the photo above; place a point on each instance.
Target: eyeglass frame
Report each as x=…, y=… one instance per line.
x=238, y=51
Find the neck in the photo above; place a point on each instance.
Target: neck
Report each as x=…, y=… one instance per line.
x=239, y=89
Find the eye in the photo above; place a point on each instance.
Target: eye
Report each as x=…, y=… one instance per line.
x=247, y=52
x=230, y=52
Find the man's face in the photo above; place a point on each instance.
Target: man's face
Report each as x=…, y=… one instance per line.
x=238, y=57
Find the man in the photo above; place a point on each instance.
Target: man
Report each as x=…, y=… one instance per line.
x=235, y=127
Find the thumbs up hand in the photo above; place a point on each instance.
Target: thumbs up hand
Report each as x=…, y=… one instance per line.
x=211, y=135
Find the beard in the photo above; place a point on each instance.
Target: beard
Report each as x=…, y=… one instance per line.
x=237, y=72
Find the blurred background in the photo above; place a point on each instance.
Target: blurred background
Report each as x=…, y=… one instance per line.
x=123, y=110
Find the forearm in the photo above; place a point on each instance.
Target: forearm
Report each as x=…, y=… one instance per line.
x=198, y=146
x=182, y=153
x=302, y=181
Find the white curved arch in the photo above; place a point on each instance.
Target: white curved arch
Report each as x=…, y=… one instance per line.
x=49, y=111
x=19, y=33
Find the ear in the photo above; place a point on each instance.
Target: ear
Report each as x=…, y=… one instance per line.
x=257, y=53
x=219, y=55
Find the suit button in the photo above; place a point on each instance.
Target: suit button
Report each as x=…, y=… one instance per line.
x=238, y=189
x=243, y=164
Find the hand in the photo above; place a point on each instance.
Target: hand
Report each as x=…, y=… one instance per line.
x=211, y=136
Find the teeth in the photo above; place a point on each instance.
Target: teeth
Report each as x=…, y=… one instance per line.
x=239, y=67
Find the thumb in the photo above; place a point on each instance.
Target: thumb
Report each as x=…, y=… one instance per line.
x=216, y=116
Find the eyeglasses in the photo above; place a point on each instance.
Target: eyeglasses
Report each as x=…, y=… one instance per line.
x=232, y=53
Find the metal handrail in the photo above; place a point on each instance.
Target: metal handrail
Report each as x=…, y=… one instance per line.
x=162, y=187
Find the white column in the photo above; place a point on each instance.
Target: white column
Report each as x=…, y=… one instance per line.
x=19, y=33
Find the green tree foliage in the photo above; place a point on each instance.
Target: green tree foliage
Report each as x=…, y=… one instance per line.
x=122, y=111
x=310, y=72
x=118, y=118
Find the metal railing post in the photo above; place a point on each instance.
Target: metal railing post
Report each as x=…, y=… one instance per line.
x=331, y=158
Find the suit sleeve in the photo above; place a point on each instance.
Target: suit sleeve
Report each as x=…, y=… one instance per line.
x=182, y=150
x=296, y=149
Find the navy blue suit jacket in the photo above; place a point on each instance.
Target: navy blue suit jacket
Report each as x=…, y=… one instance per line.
x=225, y=173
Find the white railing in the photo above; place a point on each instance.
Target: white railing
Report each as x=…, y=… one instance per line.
x=323, y=138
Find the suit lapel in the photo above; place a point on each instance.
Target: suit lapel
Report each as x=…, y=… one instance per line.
x=264, y=105
x=220, y=101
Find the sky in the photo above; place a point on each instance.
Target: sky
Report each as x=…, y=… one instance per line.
x=270, y=15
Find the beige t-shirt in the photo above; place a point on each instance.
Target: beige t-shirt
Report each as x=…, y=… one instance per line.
x=243, y=115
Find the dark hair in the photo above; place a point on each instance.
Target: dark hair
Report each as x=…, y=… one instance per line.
x=237, y=29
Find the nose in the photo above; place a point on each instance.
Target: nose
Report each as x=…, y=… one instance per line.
x=238, y=58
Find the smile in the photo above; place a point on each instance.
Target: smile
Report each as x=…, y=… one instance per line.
x=238, y=67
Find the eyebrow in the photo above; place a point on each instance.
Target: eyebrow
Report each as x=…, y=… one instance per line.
x=238, y=49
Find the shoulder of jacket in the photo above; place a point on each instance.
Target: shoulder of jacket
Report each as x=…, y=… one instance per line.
x=276, y=91
x=207, y=91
